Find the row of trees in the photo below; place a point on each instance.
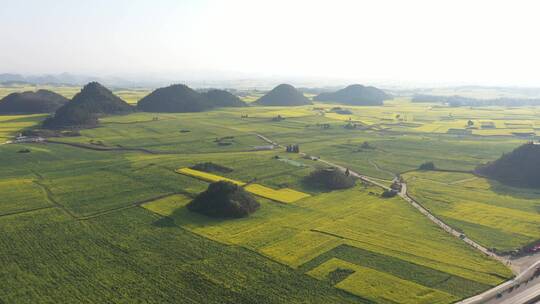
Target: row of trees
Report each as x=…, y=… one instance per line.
x=292, y=148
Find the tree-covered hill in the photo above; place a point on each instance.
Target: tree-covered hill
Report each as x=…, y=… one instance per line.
x=83, y=110
x=355, y=94
x=222, y=98
x=284, y=95
x=41, y=101
x=175, y=98
x=519, y=168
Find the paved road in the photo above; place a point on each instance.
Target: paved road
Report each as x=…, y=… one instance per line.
x=521, y=295
x=524, y=288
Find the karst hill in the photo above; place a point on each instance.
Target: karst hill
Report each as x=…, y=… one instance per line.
x=519, y=168
x=86, y=106
x=355, y=94
x=41, y=101
x=179, y=98
x=222, y=98
x=283, y=95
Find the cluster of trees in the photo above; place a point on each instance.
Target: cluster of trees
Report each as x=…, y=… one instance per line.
x=427, y=166
x=330, y=179
x=351, y=125
x=278, y=118
x=211, y=167
x=341, y=111
x=292, y=148
x=323, y=125
x=389, y=193
x=367, y=145
x=224, y=200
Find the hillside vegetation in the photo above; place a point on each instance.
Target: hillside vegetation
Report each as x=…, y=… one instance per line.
x=41, y=101
x=86, y=106
x=179, y=98
x=223, y=199
x=222, y=98
x=329, y=179
x=519, y=168
x=283, y=95
x=355, y=94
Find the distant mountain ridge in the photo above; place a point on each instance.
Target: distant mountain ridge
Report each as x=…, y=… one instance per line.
x=519, y=168
x=457, y=101
x=41, y=101
x=283, y=95
x=85, y=107
x=63, y=78
x=355, y=94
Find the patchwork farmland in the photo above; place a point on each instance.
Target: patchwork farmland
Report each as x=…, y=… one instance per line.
x=81, y=220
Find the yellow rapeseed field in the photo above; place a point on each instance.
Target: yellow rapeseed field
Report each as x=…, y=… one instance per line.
x=381, y=286
x=284, y=195
x=207, y=176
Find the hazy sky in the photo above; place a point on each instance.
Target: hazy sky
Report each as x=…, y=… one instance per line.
x=454, y=41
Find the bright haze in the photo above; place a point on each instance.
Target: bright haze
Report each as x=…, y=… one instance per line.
x=458, y=42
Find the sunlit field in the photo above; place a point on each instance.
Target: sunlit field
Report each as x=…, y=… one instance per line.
x=108, y=206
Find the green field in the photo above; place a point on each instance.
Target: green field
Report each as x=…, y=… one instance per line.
x=101, y=217
x=68, y=91
x=497, y=216
x=10, y=125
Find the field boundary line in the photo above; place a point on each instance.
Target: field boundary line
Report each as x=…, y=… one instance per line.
x=131, y=205
x=26, y=211
x=49, y=197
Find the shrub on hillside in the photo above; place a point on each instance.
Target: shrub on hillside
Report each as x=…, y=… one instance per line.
x=329, y=179
x=427, y=166
x=389, y=193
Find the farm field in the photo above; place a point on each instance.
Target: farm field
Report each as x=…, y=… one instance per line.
x=10, y=125
x=68, y=91
x=307, y=233
x=495, y=215
x=284, y=195
x=86, y=214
